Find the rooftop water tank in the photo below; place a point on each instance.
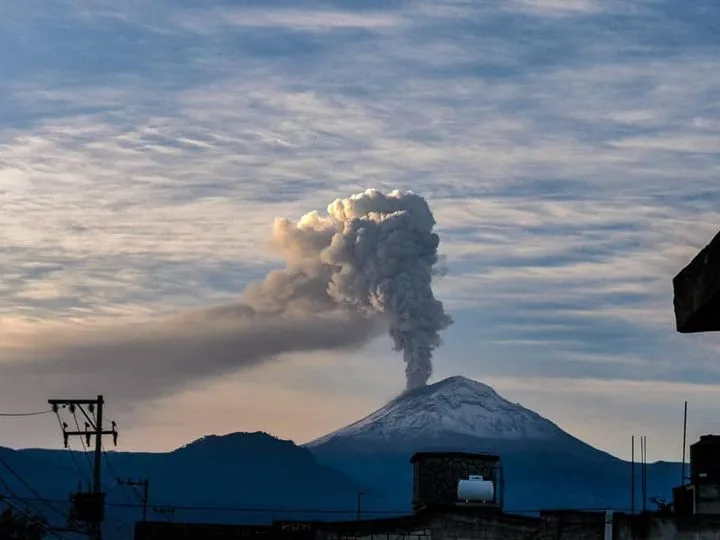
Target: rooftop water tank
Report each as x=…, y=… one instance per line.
x=436, y=476
x=476, y=489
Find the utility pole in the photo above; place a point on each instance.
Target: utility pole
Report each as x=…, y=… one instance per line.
x=683, y=477
x=359, y=503
x=632, y=476
x=89, y=507
x=145, y=484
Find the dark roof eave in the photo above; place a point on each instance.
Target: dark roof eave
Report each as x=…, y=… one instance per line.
x=469, y=455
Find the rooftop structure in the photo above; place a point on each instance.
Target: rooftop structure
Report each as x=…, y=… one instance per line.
x=697, y=292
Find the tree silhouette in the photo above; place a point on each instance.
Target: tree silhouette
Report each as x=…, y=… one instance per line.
x=21, y=526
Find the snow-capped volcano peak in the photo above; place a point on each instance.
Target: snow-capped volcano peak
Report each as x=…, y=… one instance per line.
x=456, y=406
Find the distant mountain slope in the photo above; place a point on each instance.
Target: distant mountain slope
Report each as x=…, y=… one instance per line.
x=262, y=478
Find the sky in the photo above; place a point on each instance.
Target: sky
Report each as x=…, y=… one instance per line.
x=569, y=150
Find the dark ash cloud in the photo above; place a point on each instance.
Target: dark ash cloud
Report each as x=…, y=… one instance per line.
x=364, y=267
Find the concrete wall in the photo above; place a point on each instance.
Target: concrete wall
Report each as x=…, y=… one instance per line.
x=419, y=534
x=667, y=528
x=572, y=526
x=460, y=525
x=472, y=527
x=708, y=499
x=444, y=526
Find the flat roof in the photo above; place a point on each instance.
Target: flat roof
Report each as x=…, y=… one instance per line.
x=405, y=523
x=707, y=439
x=466, y=455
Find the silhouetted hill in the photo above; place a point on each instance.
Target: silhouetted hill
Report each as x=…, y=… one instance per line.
x=259, y=476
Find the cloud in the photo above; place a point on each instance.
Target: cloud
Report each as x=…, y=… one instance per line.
x=312, y=20
x=569, y=161
x=557, y=7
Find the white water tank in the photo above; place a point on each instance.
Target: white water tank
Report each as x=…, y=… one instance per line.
x=476, y=489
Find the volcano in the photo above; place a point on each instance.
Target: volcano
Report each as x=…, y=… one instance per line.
x=456, y=413
x=544, y=466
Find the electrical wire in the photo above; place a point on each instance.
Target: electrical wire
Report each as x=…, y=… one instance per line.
x=15, y=415
x=82, y=440
x=240, y=509
x=24, y=513
x=83, y=477
x=30, y=488
x=25, y=499
x=318, y=511
x=118, y=480
x=48, y=529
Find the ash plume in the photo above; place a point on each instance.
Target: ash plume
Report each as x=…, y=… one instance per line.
x=362, y=268
x=372, y=254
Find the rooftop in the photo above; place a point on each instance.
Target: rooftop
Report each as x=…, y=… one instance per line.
x=464, y=455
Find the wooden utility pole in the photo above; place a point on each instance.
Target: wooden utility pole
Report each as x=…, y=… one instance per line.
x=89, y=507
x=145, y=484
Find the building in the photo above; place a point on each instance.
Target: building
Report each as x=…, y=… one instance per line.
x=436, y=478
x=434, y=524
x=702, y=495
x=440, y=511
x=697, y=292
x=579, y=525
x=163, y=530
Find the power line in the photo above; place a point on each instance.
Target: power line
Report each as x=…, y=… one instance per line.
x=30, y=488
x=83, y=477
x=107, y=460
x=82, y=442
x=4, y=499
x=328, y=511
x=269, y=509
x=118, y=482
x=12, y=415
x=34, y=519
x=26, y=500
x=237, y=508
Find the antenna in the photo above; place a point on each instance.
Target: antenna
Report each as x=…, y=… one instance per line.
x=682, y=471
x=643, y=451
x=642, y=472
x=632, y=474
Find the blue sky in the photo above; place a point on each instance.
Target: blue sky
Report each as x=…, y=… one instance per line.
x=568, y=148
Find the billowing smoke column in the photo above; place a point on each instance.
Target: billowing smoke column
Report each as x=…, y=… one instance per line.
x=373, y=253
x=361, y=268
